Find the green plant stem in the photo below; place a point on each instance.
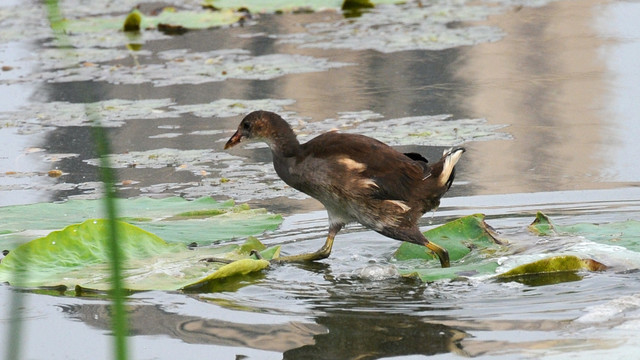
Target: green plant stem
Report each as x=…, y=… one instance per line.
x=119, y=320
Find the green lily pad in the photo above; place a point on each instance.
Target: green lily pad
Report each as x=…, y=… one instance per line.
x=473, y=245
x=470, y=243
x=175, y=219
x=459, y=237
x=78, y=256
x=235, y=269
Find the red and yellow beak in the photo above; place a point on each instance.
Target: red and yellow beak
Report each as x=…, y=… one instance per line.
x=234, y=140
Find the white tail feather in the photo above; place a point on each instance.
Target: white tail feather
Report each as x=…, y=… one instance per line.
x=451, y=157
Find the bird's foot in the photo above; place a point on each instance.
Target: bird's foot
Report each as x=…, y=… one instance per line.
x=442, y=253
x=322, y=253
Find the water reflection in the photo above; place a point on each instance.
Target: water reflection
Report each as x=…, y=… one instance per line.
x=374, y=335
x=153, y=320
x=548, y=79
x=367, y=327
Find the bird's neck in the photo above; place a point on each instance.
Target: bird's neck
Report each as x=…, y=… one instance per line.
x=283, y=142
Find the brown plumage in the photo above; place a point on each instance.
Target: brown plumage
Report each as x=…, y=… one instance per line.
x=356, y=178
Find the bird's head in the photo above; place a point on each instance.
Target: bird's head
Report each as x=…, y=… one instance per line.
x=268, y=127
x=256, y=126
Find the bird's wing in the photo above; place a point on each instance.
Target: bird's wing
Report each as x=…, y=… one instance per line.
x=364, y=166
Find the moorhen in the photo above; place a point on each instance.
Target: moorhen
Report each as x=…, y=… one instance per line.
x=356, y=178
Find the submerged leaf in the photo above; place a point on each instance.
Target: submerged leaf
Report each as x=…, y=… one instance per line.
x=482, y=267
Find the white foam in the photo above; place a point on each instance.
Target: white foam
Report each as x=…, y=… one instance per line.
x=378, y=272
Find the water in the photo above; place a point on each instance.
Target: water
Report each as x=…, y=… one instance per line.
x=559, y=75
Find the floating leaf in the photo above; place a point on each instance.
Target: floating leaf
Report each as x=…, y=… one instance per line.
x=78, y=255
x=116, y=112
x=551, y=270
x=179, y=67
x=459, y=237
x=469, y=241
x=112, y=113
x=407, y=26
x=175, y=219
x=233, y=107
x=472, y=244
x=135, y=21
x=187, y=19
x=235, y=269
x=624, y=233
x=196, y=160
x=431, y=130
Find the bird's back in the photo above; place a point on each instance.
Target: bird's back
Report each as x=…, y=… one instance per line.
x=355, y=170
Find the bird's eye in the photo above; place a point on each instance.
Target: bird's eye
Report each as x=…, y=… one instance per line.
x=246, y=126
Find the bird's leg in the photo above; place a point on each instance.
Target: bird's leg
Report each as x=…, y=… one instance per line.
x=320, y=254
